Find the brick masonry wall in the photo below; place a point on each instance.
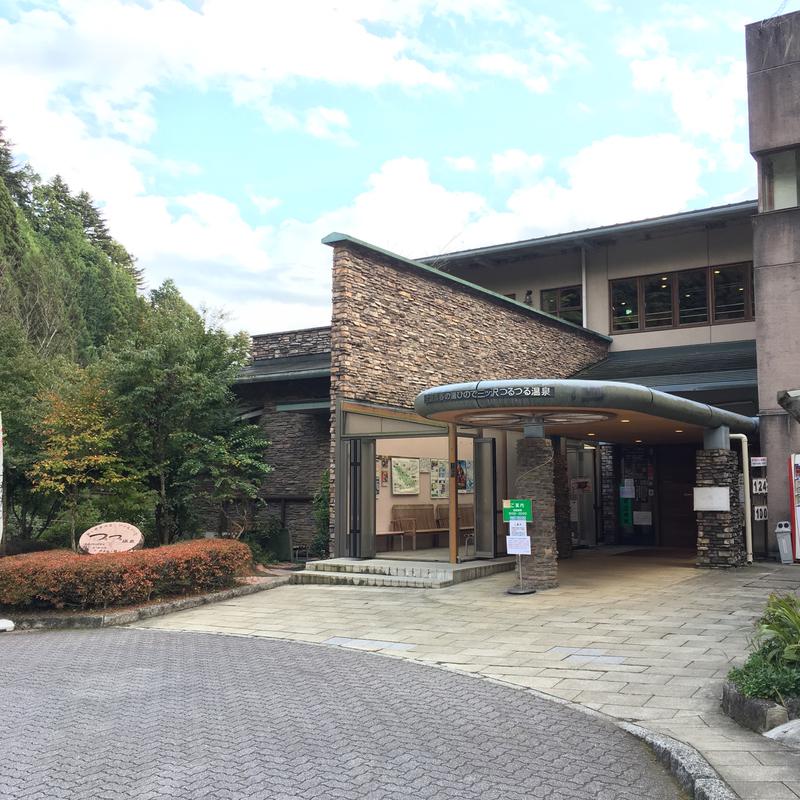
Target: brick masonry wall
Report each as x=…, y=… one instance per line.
x=535, y=464
x=291, y=343
x=397, y=330
x=720, y=537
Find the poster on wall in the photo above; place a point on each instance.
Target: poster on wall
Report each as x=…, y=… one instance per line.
x=425, y=465
x=384, y=470
x=405, y=475
x=440, y=485
x=465, y=477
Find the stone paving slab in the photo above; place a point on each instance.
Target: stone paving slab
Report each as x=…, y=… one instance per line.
x=672, y=631
x=151, y=715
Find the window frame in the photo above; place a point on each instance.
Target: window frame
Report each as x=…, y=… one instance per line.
x=749, y=306
x=558, y=290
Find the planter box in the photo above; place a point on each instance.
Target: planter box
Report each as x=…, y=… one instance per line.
x=757, y=714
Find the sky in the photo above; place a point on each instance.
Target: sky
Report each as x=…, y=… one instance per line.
x=223, y=139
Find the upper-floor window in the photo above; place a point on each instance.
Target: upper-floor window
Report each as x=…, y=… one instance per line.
x=703, y=296
x=565, y=302
x=779, y=178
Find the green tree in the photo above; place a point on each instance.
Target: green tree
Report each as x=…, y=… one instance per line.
x=224, y=472
x=79, y=454
x=172, y=381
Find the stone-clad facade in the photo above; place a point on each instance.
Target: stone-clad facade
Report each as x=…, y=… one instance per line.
x=291, y=343
x=298, y=451
x=720, y=540
x=399, y=328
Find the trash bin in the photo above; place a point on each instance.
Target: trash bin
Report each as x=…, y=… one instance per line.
x=783, y=533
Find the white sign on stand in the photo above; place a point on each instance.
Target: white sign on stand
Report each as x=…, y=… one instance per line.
x=517, y=527
x=518, y=545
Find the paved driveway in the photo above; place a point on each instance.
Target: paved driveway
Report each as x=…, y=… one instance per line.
x=640, y=638
x=150, y=714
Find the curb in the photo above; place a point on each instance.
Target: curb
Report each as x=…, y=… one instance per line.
x=134, y=615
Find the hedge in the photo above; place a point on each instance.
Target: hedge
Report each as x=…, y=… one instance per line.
x=63, y=579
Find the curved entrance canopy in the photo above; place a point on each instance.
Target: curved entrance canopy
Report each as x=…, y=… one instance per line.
x=604, y=410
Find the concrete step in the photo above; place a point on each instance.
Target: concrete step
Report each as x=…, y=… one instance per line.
x=331, y=578
x=414, y=569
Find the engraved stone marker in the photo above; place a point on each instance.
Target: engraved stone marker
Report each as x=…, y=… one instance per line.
x=111, y=537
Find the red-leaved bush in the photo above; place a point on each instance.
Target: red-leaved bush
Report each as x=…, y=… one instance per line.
x=63, y=579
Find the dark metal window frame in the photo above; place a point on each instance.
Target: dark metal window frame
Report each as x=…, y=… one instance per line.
x=675, y=278
x=558, y=289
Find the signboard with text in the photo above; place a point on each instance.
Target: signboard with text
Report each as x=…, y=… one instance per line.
x=518, y=545
x=517, y=509
x=111, y=537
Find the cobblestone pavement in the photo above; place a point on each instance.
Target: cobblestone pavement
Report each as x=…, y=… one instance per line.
x=644, y=639
x=120, y=713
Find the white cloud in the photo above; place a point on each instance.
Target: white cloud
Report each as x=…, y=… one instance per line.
x=506, y=66
x=461, y=163
x=262, y=202
x=328, y=123
x=517, y=164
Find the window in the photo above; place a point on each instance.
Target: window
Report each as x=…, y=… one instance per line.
x=704, y=296
x=693, y=297
x=624, y=305
x=779, y=179
x=565, y=303
x=730, y=284
x=512, y=295
x=658, y=301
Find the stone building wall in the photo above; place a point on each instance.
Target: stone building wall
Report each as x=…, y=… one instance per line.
x=291, y=343
x=298, y=451
x=398, y=329
x=720, y=535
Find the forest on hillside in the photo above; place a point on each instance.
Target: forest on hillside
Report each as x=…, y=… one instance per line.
x=117, y=404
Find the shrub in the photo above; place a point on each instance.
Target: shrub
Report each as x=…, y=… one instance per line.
x=779, y=629
x=762, y=677
x=63, y=579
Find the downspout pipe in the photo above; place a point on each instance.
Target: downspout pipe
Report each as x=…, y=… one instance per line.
x=584, y=301
x=748, y=518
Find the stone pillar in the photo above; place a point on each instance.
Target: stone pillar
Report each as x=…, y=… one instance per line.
x=561, y=488
x=535, y=480
x=720, y=538
x=609, y=493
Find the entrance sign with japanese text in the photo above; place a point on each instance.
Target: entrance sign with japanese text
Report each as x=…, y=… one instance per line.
x=517, y=509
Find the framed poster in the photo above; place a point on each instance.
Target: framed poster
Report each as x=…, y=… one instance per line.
x=405, y=475
x=440, y=485
x=465, y=476
x=425, y=465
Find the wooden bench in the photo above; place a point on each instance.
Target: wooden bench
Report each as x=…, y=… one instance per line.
x=423, y=516
x=466, y=524
x=401, y=527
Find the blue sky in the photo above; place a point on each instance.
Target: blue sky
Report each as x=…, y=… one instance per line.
x=224, y=138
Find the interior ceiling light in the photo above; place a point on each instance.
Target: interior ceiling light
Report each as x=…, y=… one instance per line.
x=574, y=417
x=678, y=430
x=591, y=434
x=638, y=441
x=624, y=420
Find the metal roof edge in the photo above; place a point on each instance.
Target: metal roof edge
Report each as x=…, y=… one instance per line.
x=333, y=239
x=283, y=376
x=699, y=215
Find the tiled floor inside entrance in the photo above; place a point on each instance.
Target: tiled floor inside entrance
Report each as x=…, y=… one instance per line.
x=642, y=638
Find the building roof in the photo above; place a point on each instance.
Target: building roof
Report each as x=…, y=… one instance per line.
x=723, y=365
x=290, y=368
x=669, y=223
x=334, y=239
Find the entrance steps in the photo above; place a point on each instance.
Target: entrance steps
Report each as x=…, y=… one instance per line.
x=398, y=573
